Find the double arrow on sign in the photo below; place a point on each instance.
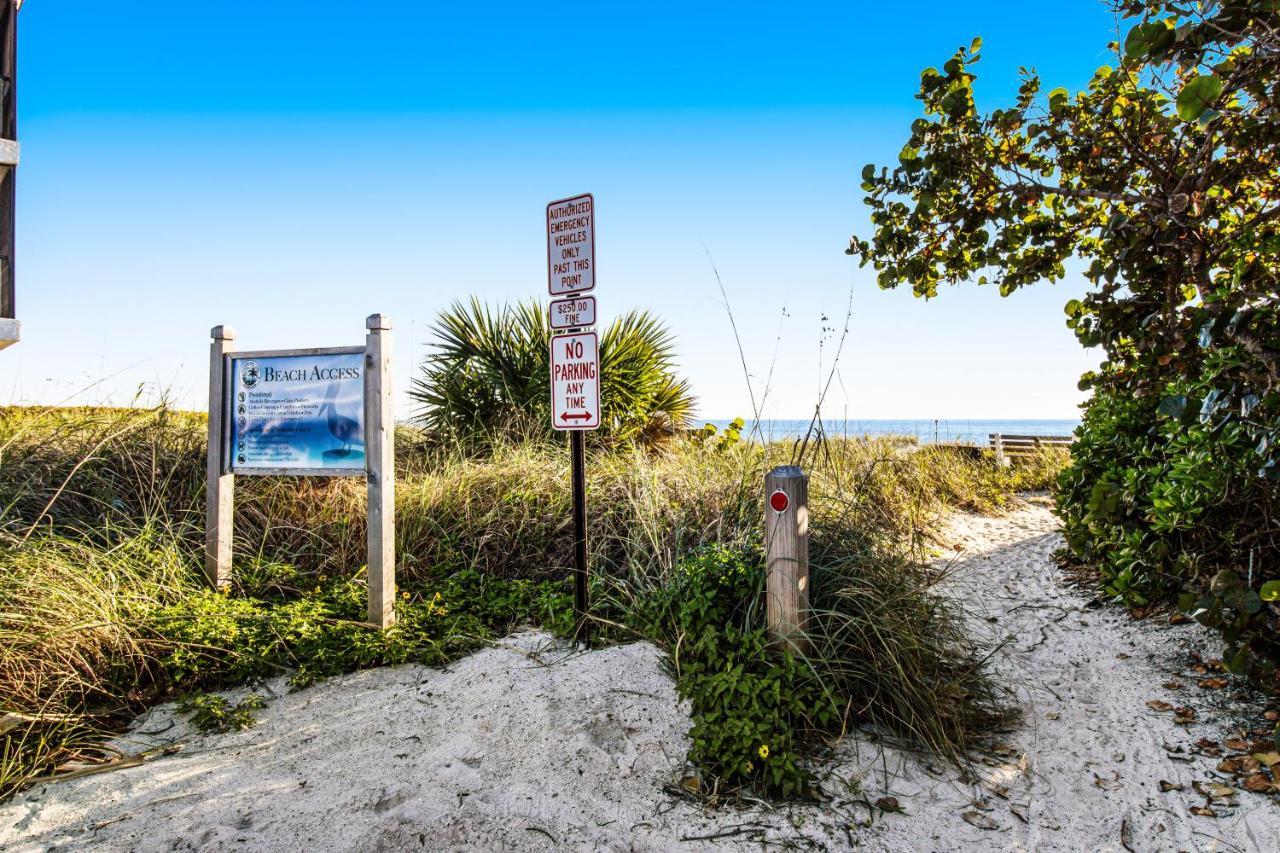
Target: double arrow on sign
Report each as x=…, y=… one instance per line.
x=580, y=416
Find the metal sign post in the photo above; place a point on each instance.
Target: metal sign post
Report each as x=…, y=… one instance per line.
x=575, y=362
x=323, y=412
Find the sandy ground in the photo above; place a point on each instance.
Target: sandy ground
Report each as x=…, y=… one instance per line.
x=532, y=746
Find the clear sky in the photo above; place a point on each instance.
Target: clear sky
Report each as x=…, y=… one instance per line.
x=290, y=167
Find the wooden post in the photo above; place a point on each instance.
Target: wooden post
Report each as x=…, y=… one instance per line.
x=220, y=489
x=380, y=430
x=997, y=441
x=786, y=533
x=8, y=171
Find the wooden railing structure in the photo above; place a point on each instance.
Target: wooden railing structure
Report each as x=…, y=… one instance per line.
x=1008, y=446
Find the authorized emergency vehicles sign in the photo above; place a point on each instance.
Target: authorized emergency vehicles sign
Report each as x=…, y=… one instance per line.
x=575, y=382
x=571, y=245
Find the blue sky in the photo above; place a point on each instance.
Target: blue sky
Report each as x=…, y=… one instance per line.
x=294, y=166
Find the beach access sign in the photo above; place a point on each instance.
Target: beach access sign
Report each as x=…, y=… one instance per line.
x=575, y=382
x=298, y=413
x=571, y=245
x=321, y=412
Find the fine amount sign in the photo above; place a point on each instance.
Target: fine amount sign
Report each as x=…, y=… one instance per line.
x=571, y=245
x=576, y=312
x=575, y=382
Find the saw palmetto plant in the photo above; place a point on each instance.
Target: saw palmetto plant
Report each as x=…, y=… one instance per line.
x=487, y=378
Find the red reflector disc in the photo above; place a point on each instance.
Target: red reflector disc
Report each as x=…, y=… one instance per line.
x=779, y=501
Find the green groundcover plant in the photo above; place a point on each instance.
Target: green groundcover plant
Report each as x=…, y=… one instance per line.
x=1160, y=181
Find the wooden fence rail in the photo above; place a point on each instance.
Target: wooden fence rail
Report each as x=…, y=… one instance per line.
x=1006, y=446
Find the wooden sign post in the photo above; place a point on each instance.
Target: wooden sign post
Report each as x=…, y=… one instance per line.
x=220, y=485
x=786, y=534
x=380, y=430
x=323, y=412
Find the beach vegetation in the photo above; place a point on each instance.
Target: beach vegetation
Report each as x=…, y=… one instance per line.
x=1157, y=182
x=103, y=609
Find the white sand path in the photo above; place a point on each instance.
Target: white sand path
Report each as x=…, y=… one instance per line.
x=528, y=746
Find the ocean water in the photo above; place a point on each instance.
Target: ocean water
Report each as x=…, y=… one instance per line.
x=926, y=431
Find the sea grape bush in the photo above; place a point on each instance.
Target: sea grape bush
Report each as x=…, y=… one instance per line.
x=1173, y=512
x=1160, y=178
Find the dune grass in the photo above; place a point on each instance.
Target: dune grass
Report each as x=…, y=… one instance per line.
x=102, y=611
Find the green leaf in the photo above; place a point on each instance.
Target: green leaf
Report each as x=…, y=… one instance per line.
x=1058, y=98
x=1199, y=94
x=1172, y=407
x=975, y=45
x=1149, y=38
x=1270, y=591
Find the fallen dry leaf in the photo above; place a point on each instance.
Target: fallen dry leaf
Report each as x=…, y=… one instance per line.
x=1108, y=784
x=1203, y=811
x=1258, y=783
x=979, y=820
x=1182, y=716
x=1272, y=715
x=1236, y=744
x=1052, y=715
x=1267, y=758
x=1159, y=705
x=1020, y=812
x=1179, y=619
x=888, y=804
x=1171, y=786
x=1231, y=765
x=1215, y=683
x=1122, y=656
x=1172, y=685
x=1208, y=747
x=1219, y=791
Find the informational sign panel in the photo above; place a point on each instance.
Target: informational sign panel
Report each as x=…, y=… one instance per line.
x=576, y=312
x=297, y=413
x=575, y=382
x=571, y=245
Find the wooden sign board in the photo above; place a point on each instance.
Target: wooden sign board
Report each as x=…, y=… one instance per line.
x=310, y=412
